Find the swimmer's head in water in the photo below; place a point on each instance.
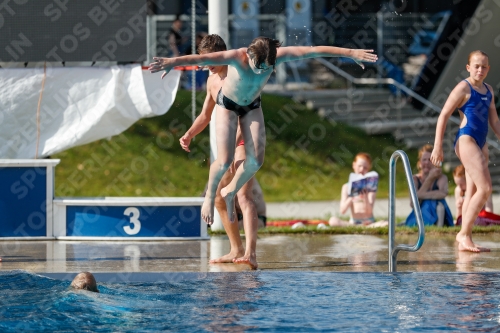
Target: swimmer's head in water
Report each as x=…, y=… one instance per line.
x=262, y=51
x=85, y=281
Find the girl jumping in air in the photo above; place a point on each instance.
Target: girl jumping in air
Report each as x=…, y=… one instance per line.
x=239, y=101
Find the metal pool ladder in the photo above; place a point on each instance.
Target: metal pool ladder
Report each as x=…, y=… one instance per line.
x=393, y=250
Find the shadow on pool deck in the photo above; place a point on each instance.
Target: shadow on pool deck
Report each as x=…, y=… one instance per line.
x=336, y=253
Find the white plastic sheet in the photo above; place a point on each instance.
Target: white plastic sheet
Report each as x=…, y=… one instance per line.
x=78, y=105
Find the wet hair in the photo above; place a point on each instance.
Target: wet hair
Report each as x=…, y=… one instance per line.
x=212, y=43
x=425, y=149
x=459, y=171
x=473, y=53
x=264, y=49
x=85, y=281
x=366, y=156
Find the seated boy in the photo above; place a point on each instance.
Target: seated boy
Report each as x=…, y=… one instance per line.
x=486, y=215
x=361, y=206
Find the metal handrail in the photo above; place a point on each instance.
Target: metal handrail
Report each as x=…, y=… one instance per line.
x=399, y=86
x=393, y=250
x=395, y=83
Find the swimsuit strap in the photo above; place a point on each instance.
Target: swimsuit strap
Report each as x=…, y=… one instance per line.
x=487, y=89
x=435, y=185
x=471, y=88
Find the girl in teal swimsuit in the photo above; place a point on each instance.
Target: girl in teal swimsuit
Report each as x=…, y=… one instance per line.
x=249, y=69
x=475, y=101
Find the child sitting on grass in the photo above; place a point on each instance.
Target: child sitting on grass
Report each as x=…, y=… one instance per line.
x=361, y=205
x=486, y=216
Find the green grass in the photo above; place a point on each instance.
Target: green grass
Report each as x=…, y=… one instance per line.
x=306, y=158
x=312, y=230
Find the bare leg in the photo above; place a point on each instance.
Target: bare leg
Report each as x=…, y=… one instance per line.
x=254, y=134
x=232, y=230
x=478, y=190
x=225, y=125
x=378, y=224
x=440, y=213
x=250, y=222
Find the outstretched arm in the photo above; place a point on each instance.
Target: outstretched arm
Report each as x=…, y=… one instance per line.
x=292, y=53
x=216, y=58
x=456, y=99
x=200, y=122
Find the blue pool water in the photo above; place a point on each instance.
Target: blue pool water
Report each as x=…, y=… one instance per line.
x=256, y=302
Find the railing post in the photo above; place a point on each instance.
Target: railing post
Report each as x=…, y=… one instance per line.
x=380, y=42
x=393, y=250
x=281, y=36
x=151, y=38
x=392, y=211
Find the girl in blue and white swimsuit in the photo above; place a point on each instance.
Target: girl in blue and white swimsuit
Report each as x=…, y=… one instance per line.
x=475, y=101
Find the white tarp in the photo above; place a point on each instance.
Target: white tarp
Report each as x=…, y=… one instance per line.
x=78, y=105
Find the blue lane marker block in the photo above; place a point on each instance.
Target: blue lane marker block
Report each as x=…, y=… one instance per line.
x=133, y=221
x=23, y=199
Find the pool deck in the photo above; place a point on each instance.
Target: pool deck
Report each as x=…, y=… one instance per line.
x=320, y=252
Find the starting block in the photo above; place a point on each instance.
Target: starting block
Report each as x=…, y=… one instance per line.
x=31, y=212
x=26, y=198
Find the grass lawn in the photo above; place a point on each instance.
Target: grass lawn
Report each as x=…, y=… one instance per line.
x=429, y=230
x=307, y=158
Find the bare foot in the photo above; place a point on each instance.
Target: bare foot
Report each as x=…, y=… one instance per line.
x=229, y=199
x=228, y=258
x=465, y=243
x=207, y=211
x=247, y=260
x=482, y=249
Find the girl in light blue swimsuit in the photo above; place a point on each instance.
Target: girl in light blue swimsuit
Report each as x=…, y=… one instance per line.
x=475, y=101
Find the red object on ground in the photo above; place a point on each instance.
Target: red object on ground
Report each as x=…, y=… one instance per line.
x=289, y=223
x=483, y=218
